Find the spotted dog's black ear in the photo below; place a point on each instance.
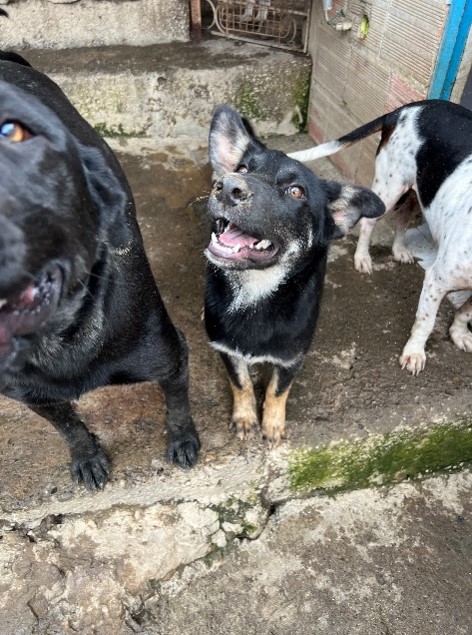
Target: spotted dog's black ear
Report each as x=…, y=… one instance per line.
x=348, y=203
x=230, y=137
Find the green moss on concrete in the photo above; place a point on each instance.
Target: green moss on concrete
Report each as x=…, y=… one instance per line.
x=247, y=102
x=301, y=97
x=233, y=511
x=383, y=459
x=114, y=132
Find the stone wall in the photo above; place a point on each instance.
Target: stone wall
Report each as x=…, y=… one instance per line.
x=356, y=79
x=60, y=24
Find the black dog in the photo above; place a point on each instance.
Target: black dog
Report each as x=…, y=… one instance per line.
x=272, y=223
x=79, y=307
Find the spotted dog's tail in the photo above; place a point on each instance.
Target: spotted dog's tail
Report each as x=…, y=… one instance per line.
x=385, y=123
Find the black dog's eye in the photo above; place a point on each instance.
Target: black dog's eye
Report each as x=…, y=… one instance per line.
x=296, y=191
x=242, y=169
x=14, y=131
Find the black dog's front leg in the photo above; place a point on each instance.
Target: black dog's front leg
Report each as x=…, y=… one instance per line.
x=89, y=463
x=183, y=443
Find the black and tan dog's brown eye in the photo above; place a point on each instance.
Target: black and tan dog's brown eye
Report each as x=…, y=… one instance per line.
x=14, y=131
x=296, y=191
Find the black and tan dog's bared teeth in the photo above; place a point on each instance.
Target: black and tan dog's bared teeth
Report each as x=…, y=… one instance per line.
x=231, y=242
x=273, y=220
x=72, y=315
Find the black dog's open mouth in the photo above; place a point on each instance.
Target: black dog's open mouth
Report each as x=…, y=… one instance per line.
x=27, y=311
x=230, y=242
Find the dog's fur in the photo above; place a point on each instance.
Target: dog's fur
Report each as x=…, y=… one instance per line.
x=427, y=147
x=272, y=223
x=79, y=307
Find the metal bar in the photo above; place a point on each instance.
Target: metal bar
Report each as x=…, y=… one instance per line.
x=455, y=34
x=196, y=18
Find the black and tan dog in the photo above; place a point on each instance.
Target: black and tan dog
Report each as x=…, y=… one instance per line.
x=272, y=223
x=79, y=307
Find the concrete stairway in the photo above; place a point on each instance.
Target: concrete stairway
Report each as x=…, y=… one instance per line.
x=169, y=90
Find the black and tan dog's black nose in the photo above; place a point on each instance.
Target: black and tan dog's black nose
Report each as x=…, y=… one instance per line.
x=232, y=190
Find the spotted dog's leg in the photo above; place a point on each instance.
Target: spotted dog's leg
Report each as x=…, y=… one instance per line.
x=273, y=419
x=413, y=357
x=460, y=334
x=403, y=214
x=389, y=188
x=244, y=420
x=362, y=259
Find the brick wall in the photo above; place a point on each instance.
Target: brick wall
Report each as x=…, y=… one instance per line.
x=355, y=80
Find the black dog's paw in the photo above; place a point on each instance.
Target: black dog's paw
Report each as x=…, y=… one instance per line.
x=91, y=469
x=184, y=450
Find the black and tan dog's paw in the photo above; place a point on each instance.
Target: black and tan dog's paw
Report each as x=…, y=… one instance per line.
x=274, y=432
x=244, y=427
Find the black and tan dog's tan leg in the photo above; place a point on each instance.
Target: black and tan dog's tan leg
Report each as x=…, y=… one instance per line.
x=273, y=419
x=244, y=420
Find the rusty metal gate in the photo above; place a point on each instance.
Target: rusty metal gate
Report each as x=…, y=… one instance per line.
x=279, y=23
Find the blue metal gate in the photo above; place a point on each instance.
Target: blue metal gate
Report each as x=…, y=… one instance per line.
x=450, y=54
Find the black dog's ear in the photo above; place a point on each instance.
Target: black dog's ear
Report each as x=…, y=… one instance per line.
x=106, y=191
x=230, y=136
x=348, y=203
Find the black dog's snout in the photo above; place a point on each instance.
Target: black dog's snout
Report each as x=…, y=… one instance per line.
x=233, y=190
x=12, y=256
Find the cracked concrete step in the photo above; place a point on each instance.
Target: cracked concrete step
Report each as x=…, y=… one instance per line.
x=392, y=561
x=169, y=90
x=207, y=561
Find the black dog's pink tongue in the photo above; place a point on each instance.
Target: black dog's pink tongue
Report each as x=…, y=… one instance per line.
x=233, y=236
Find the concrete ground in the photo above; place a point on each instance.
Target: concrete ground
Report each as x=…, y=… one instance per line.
x=234, y=545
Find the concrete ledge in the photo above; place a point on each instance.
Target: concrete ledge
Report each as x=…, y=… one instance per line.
x=167, y=91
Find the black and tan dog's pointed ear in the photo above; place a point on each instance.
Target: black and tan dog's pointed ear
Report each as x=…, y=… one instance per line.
x=230, y=136
x=348, y=203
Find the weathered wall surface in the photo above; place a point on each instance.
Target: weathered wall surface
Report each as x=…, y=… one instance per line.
x=166, y=91
x=355, y=80
x=463, y=71
x=74, y=23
